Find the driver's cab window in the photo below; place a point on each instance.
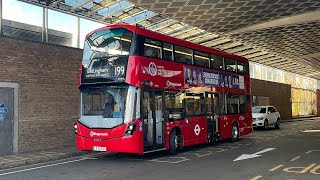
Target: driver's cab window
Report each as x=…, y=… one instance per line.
x=93, y=104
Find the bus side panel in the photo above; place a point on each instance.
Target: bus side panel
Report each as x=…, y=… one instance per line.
x=169, y=128
x=225, y=127
x=185, y=130
x=193, y=129
x=188, y=134
x=247, y=84
x=203, y=136
x=244, y=125
x=197, y=127
x=134, y=73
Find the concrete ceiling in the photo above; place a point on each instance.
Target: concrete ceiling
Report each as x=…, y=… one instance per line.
x=265, y=31
x=280, y=33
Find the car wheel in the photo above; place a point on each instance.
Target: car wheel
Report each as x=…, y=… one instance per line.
x=277, y=126
x=173, y=143
x=266, y=124
x=234, y=132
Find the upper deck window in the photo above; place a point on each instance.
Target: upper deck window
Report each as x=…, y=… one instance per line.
x=216, y=62
x=242, y=67
x=201, y=59
x=183, y=55
x=152, y=48
x=107, y=43
x=230, y=65
x=167, y=51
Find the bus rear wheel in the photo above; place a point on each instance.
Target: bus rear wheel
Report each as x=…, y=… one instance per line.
x=173, y=145
x=234, y=132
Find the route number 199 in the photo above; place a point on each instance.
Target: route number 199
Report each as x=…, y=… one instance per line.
x=119, y=70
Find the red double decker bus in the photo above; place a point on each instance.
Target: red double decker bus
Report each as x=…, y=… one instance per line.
x=142, y=91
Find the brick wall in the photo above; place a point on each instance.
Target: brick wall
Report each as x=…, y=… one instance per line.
x=48, y=91
x=280, y=95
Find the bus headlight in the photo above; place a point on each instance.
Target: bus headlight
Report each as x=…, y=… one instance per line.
x=131, y=128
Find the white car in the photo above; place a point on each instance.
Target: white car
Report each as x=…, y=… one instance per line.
x=265, y=116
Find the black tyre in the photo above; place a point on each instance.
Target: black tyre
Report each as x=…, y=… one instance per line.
x=173, y=142
x=277, y=125
x=266, y=124
x=234, y=132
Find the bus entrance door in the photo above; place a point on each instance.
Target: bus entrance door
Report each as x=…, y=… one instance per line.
x=153, y=108
x=212, y=116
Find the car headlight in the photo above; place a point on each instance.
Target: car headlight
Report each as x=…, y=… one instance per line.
x=261, y=118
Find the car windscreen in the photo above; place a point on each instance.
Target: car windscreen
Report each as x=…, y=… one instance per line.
x=259, y=110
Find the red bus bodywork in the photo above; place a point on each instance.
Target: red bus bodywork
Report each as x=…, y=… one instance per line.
x=169, y=75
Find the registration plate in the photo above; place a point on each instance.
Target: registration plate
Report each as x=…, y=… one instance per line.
x=99, y=148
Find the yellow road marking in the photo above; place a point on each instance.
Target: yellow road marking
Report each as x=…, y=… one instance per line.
x=295, y=158
x=277, y=167
x=51, y=153
x=296, y=169
x=221, y=149
x=172, y=162
x=7, y=160
x=199, y=153
x=314, y=170
x=256, y=178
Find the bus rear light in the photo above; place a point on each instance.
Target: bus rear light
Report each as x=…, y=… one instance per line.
x=75, y=128
x=131, y=128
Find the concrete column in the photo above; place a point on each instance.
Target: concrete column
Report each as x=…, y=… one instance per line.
x=1, y=17
x=78, y=32
x=318, y=98
x=45, y=25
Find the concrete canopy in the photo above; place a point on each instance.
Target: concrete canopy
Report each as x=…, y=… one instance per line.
x=264, y=31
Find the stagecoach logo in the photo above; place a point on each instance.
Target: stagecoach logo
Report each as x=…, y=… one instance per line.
x=98, y=134
x=171, y=84
x=197, y=130
x=152, y=69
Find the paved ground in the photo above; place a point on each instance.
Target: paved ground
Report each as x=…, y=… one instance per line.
x=9, y=161
x=296, y=156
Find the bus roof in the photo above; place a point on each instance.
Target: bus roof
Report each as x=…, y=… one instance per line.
x=169, y=39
